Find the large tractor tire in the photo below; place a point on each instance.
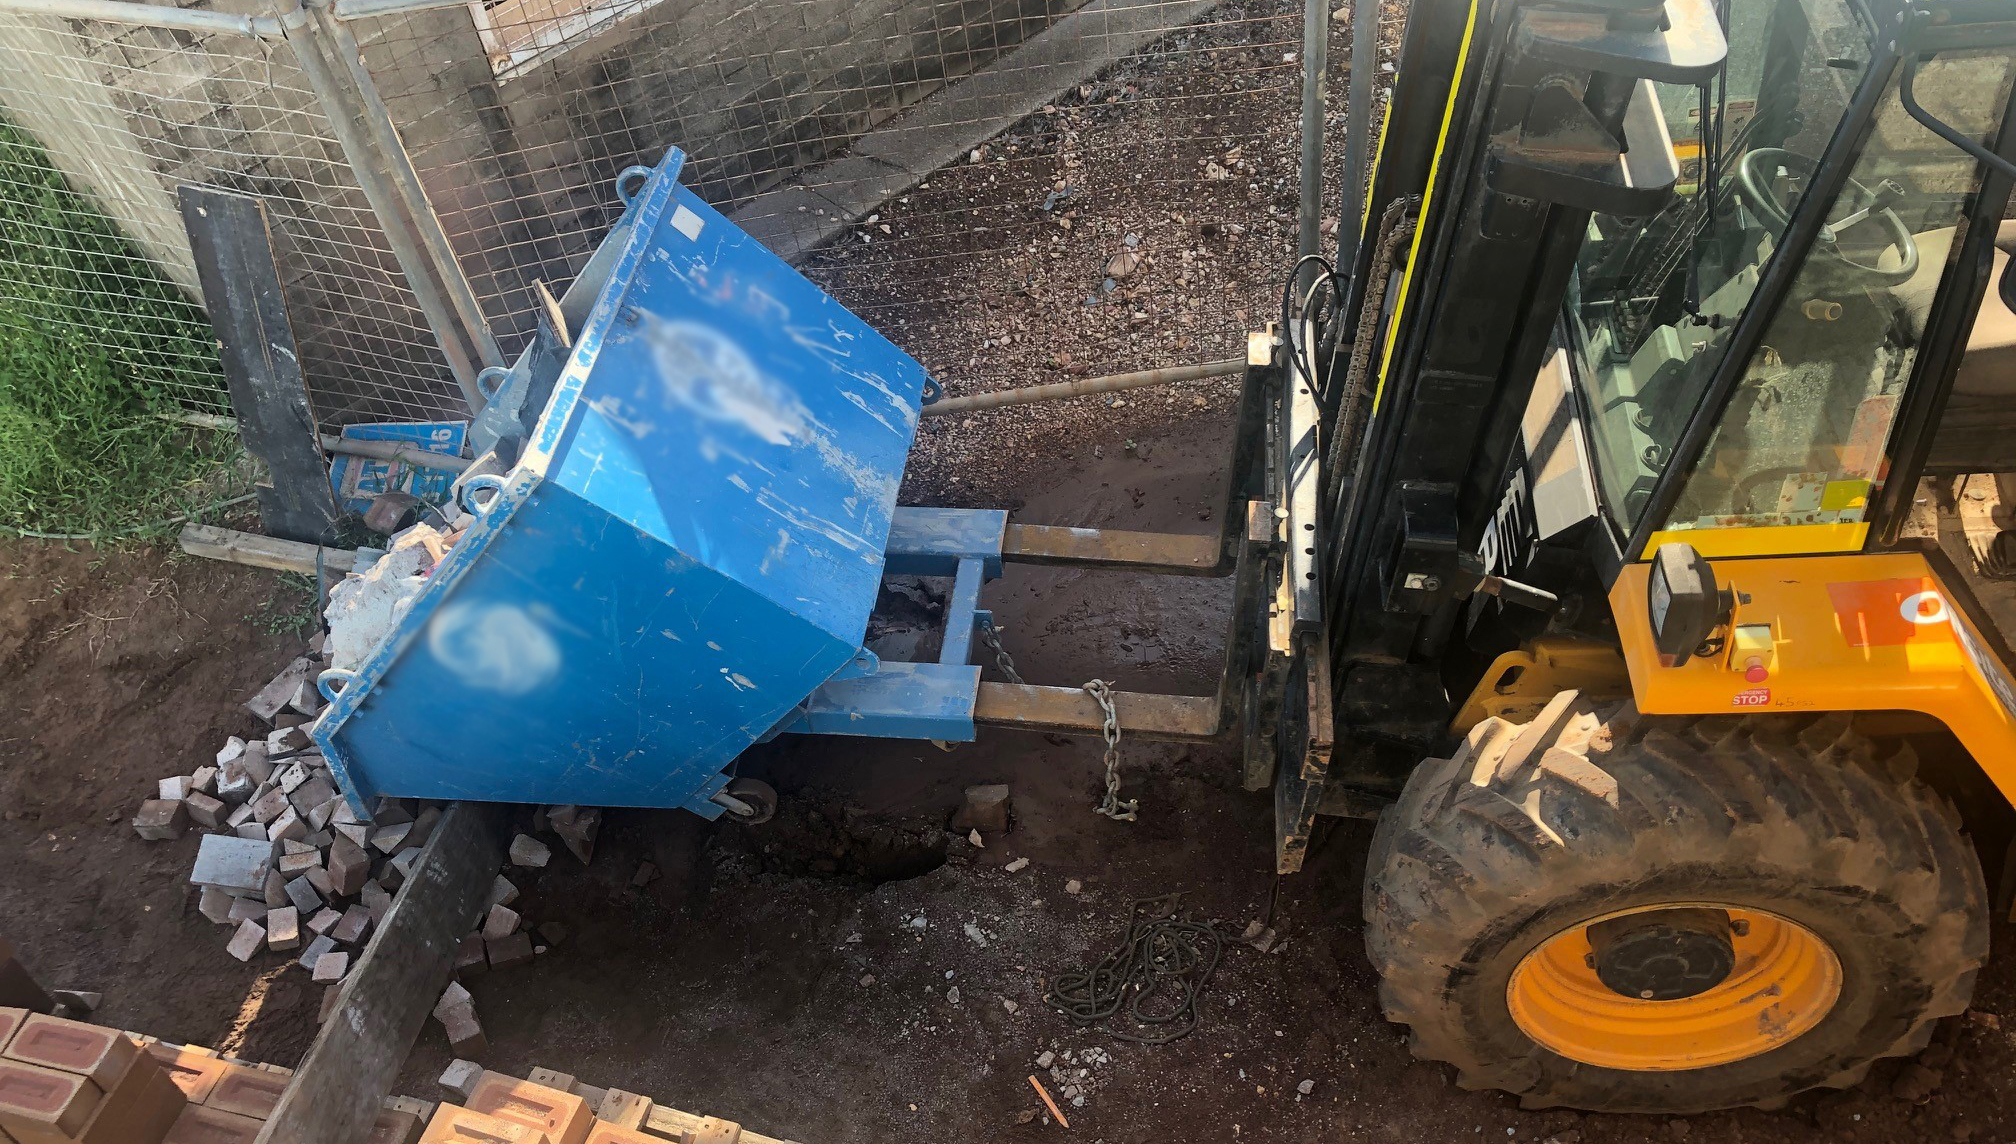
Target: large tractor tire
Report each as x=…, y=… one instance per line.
x=1660, y=915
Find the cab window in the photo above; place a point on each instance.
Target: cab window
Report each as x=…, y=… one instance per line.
x=1652, y=301
x=1804, y=437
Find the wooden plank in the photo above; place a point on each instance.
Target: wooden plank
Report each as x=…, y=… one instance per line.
x=340, y=1085
x=676, y=1125
x=241, y=289
x=263, y=551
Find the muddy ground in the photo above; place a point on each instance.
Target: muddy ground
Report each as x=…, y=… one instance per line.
x=776, y=974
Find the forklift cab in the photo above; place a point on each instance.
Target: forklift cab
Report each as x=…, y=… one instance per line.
x=1653, y=308
x=1680, y=502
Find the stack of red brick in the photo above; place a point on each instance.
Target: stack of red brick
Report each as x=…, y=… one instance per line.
x=500, y=1109
x=229, y=1100
x=65, y=1082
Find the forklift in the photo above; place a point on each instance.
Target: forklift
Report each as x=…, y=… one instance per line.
x=1644, y=486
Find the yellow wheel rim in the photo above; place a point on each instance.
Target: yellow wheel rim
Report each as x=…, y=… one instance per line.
x=1784, y=980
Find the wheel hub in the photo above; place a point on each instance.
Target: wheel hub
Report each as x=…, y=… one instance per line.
x=1735, y=982
x=1663, y=955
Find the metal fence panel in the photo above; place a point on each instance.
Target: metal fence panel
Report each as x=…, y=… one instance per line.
x=1016, y=191
x=1129, y=165
x=126, y=114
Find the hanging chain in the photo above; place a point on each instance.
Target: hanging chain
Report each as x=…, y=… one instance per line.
x=992, y=638
x=1112, y=806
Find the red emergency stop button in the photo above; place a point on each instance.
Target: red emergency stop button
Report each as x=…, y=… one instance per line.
x=1755, y=671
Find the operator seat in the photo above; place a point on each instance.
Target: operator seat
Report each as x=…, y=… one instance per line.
x=1988, y=369
x=1973, y=435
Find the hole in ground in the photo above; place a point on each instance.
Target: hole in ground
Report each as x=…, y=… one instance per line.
x=821, y=837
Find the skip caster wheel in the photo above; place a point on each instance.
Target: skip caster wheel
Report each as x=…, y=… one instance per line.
x=749, y=801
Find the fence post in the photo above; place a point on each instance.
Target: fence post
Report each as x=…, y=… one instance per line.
x=1315, y=97
x=1358, y=127
x=333, y=64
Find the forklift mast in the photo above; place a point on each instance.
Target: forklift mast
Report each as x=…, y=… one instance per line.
x=1510, y=124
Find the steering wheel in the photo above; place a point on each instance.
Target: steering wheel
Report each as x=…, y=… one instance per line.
x=1756, y=179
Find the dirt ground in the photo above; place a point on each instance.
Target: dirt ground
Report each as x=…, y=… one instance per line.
x=777, y=974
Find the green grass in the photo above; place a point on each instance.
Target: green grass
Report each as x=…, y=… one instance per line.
x=94, y=344
x=290, y=610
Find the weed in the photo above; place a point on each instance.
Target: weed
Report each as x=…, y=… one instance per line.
x=93, y=343
x=290, y=611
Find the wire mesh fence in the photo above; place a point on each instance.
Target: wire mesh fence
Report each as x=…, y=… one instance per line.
x=936, y=163
x=104, y=122
x=1015, y=191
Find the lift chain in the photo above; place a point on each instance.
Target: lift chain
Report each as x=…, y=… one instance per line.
x=990, y=636
x=1112, y=806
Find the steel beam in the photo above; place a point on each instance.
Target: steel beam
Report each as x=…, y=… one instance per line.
x=148, y=15
x=1181, y=718
x=1059, y=390
x=1172, y=553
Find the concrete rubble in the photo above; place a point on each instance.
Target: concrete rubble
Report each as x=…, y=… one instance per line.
x=366, y=605
x=986, y=810
x=529, y=851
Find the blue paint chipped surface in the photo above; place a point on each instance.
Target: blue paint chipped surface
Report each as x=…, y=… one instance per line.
x=690, y=546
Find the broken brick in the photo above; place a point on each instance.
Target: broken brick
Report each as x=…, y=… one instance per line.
x=502, y=921
x=213, y=904
x=283, y=928
x=471, y=958
x=269, y=806
x=354, y=924
x=349, y=866
x=319, y=878
x=505, y=952
x=330, y=967
x=530, y=852
x=465, y=1032
x=161, y=820
x=458, y=1080
x=205, y=810
x=249, y=939
x=389, y=839
x=318, y=949
x=302, y=893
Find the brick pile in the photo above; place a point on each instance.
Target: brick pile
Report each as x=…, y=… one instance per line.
x=284, y=860
x=547, y=1107
x=66, y=1082
x=290, y=866
x=229, y=1100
